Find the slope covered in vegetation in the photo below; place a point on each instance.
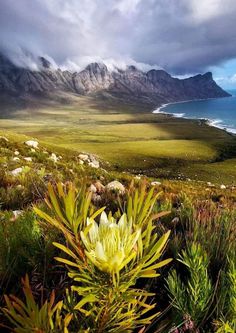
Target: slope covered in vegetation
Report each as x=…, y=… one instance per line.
x=104, y=277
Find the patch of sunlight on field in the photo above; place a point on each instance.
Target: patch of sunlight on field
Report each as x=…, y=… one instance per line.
x=130, y=153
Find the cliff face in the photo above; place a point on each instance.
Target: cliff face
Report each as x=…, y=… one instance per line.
x=154, y=86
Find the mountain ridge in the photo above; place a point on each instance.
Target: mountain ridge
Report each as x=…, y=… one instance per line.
x=155, y=86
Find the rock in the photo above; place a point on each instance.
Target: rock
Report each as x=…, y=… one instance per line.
x=175, y=220
x=209, y=184
x=16, y=171
x=81, y=162
x=53, y=157
x=222, y=187
x=116, y=186
x=94, y=164
x=28, y=159
x=15, y=159
x=16, y=153
x=96, y=198
x=99, y=187
x=32, y=143
x=92, y=188
x=84, y=157
x=155, y=183
x=17, y=213
x=32, y=150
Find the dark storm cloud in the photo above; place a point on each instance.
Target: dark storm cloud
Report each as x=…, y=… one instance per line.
x=182, y=36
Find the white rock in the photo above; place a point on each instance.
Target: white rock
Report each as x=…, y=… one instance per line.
x=222, y=187
x=92, y=188
x=81, y=162
x=53, y=157
x=209, y=183
x=33, y=150
x=116, y=186
x=94, y=164
x=84, y=157
x=16, y=171
x=28, y=159
x=155, y=183
x=16, y=153
x=32, y=143
x=15, y=159
x=17, y=213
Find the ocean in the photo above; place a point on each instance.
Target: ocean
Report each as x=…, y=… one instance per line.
x=219, y=112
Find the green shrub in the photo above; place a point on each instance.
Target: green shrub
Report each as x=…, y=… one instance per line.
x=191, y=294
x=29, y=317
x=105, y=259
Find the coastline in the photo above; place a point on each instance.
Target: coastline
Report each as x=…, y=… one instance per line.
x=217, y=123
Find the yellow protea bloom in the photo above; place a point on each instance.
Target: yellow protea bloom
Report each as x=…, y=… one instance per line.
x=110, y=245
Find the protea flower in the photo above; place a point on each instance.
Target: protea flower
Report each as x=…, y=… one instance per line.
x=111, y=245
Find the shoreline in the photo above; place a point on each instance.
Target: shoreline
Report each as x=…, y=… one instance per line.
x=210, y=122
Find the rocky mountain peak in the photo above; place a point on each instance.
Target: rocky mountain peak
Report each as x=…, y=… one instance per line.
x=154, y=86
x=96, y=67
x=45, y=64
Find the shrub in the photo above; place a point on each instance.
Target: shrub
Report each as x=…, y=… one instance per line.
x=30, y=317
x=105, y=259
x=191, y=294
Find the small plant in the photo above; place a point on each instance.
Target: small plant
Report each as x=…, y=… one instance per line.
x=191, y=295
x=27, y=317
x=227, y=321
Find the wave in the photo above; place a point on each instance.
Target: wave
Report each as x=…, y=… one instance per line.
x=218, y=123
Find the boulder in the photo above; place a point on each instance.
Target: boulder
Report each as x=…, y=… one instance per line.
x=84, y=157
x=155, y=183
x=28, y=159
x=53, y=157
x=32, y=143
x=16, y=171
x=17, y=213
x=92, y=188
x=94, y=164
x=99, y=187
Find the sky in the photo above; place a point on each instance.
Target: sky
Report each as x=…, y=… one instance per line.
x=184, y=37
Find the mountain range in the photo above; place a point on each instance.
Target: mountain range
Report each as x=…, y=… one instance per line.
x=154, y=86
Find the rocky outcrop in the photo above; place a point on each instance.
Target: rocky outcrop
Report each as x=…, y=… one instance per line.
x=156, y=86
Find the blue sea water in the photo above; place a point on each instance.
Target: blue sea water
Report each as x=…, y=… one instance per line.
x=220, y=112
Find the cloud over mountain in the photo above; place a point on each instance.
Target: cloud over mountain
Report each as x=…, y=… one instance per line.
x=184, y=36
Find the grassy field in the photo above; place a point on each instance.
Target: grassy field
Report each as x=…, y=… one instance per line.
x=130, y=138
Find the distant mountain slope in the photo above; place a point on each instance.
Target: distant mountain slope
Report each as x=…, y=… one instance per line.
x=154, y=86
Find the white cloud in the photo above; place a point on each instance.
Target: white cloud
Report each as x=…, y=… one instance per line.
x=183, y=36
